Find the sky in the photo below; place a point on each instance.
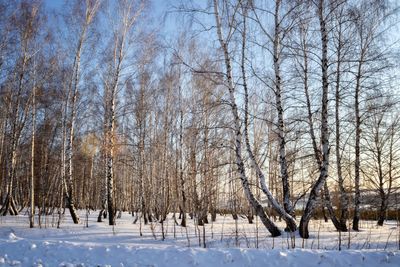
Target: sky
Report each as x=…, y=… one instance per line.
x=158, y=6
x=54, y=3
x=157, y=9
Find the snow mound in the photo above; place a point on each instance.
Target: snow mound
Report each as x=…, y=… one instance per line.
x=123, y=245
x=12, y=236
x=79, y=255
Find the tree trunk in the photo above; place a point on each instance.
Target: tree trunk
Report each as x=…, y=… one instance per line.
x=324, y=166
x=17, y=126
x=182, y=180
x=32, y=200
x=281, y=125
x=382, y=209
x=238, y=135
x=110, y=154
x=357, y=193
x=327, y=201
x=343, y=199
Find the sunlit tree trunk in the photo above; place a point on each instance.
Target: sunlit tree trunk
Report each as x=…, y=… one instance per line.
x=33, y=114
x=238, y=135
x=324, y=166
x=71, y=107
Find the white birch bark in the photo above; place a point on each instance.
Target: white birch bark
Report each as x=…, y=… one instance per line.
x=343, y=200
x=33, y=114
x=238, y=134
x=281, y=125
x=17, y=124
x=129, y=17
x=73, y=89
x=324, y=166
x=284, y=213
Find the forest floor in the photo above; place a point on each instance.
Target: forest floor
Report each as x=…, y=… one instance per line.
x=228, y=243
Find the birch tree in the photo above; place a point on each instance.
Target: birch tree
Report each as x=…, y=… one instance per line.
x=26, y=21
x=380, y=141
x=70, y=107
x=305, y=45
x=325, y=151
x=224, y=44
x=342, y=46
x=281, y=29
x=33, y=115
x=129, y=12
x=367, y=18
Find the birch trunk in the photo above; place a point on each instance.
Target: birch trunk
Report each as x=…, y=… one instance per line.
x=110, y=135
x=340, y=225
x=73, y=88
x=182, y=180
x=281, y=125
x=32, y=200
x=282, y=212
x=17, y=125
x=343, y=200
x=103, y=181
x=357, y=192
x=324, y=166
x=385, y=196
x=121, y=34
x=238, y=134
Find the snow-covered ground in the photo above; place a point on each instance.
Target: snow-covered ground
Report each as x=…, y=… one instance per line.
x=226, y=244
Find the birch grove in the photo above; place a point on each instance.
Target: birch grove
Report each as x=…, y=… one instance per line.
x=269, y=110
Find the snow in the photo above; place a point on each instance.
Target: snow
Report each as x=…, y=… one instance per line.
x=122, y=245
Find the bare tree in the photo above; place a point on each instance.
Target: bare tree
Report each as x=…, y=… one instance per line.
x=367, y=18
x=304, y=44
x=238, y=140
x=324, y=156
x=129, y=12
x=342, y=43
x=381, y=142
x=26, y=22
x=277, y=39
x=89, y=13
x=33, y=114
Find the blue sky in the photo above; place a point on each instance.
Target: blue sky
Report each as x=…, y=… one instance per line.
x=157, y=9
x=157, y=5
x=54, y=3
